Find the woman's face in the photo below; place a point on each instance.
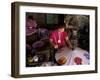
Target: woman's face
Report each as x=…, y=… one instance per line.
x=61, y=29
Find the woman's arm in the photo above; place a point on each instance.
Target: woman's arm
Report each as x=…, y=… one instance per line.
x=54, y=45
x=69, y=43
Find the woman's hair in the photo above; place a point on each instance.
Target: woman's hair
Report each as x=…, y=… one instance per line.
x=61, y=25
x=30, y=17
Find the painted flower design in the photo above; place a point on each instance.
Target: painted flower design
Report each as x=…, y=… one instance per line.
x=78, y=60
x=87, y=55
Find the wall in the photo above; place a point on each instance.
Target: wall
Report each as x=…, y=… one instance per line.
x=5, y=40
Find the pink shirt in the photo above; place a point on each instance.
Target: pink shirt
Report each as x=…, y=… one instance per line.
x=58, y=38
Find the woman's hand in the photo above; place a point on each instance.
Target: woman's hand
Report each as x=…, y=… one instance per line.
x=71, y=48
x=56, y=46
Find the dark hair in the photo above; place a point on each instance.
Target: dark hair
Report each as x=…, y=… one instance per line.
x=61, y=25
x=30, y=17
